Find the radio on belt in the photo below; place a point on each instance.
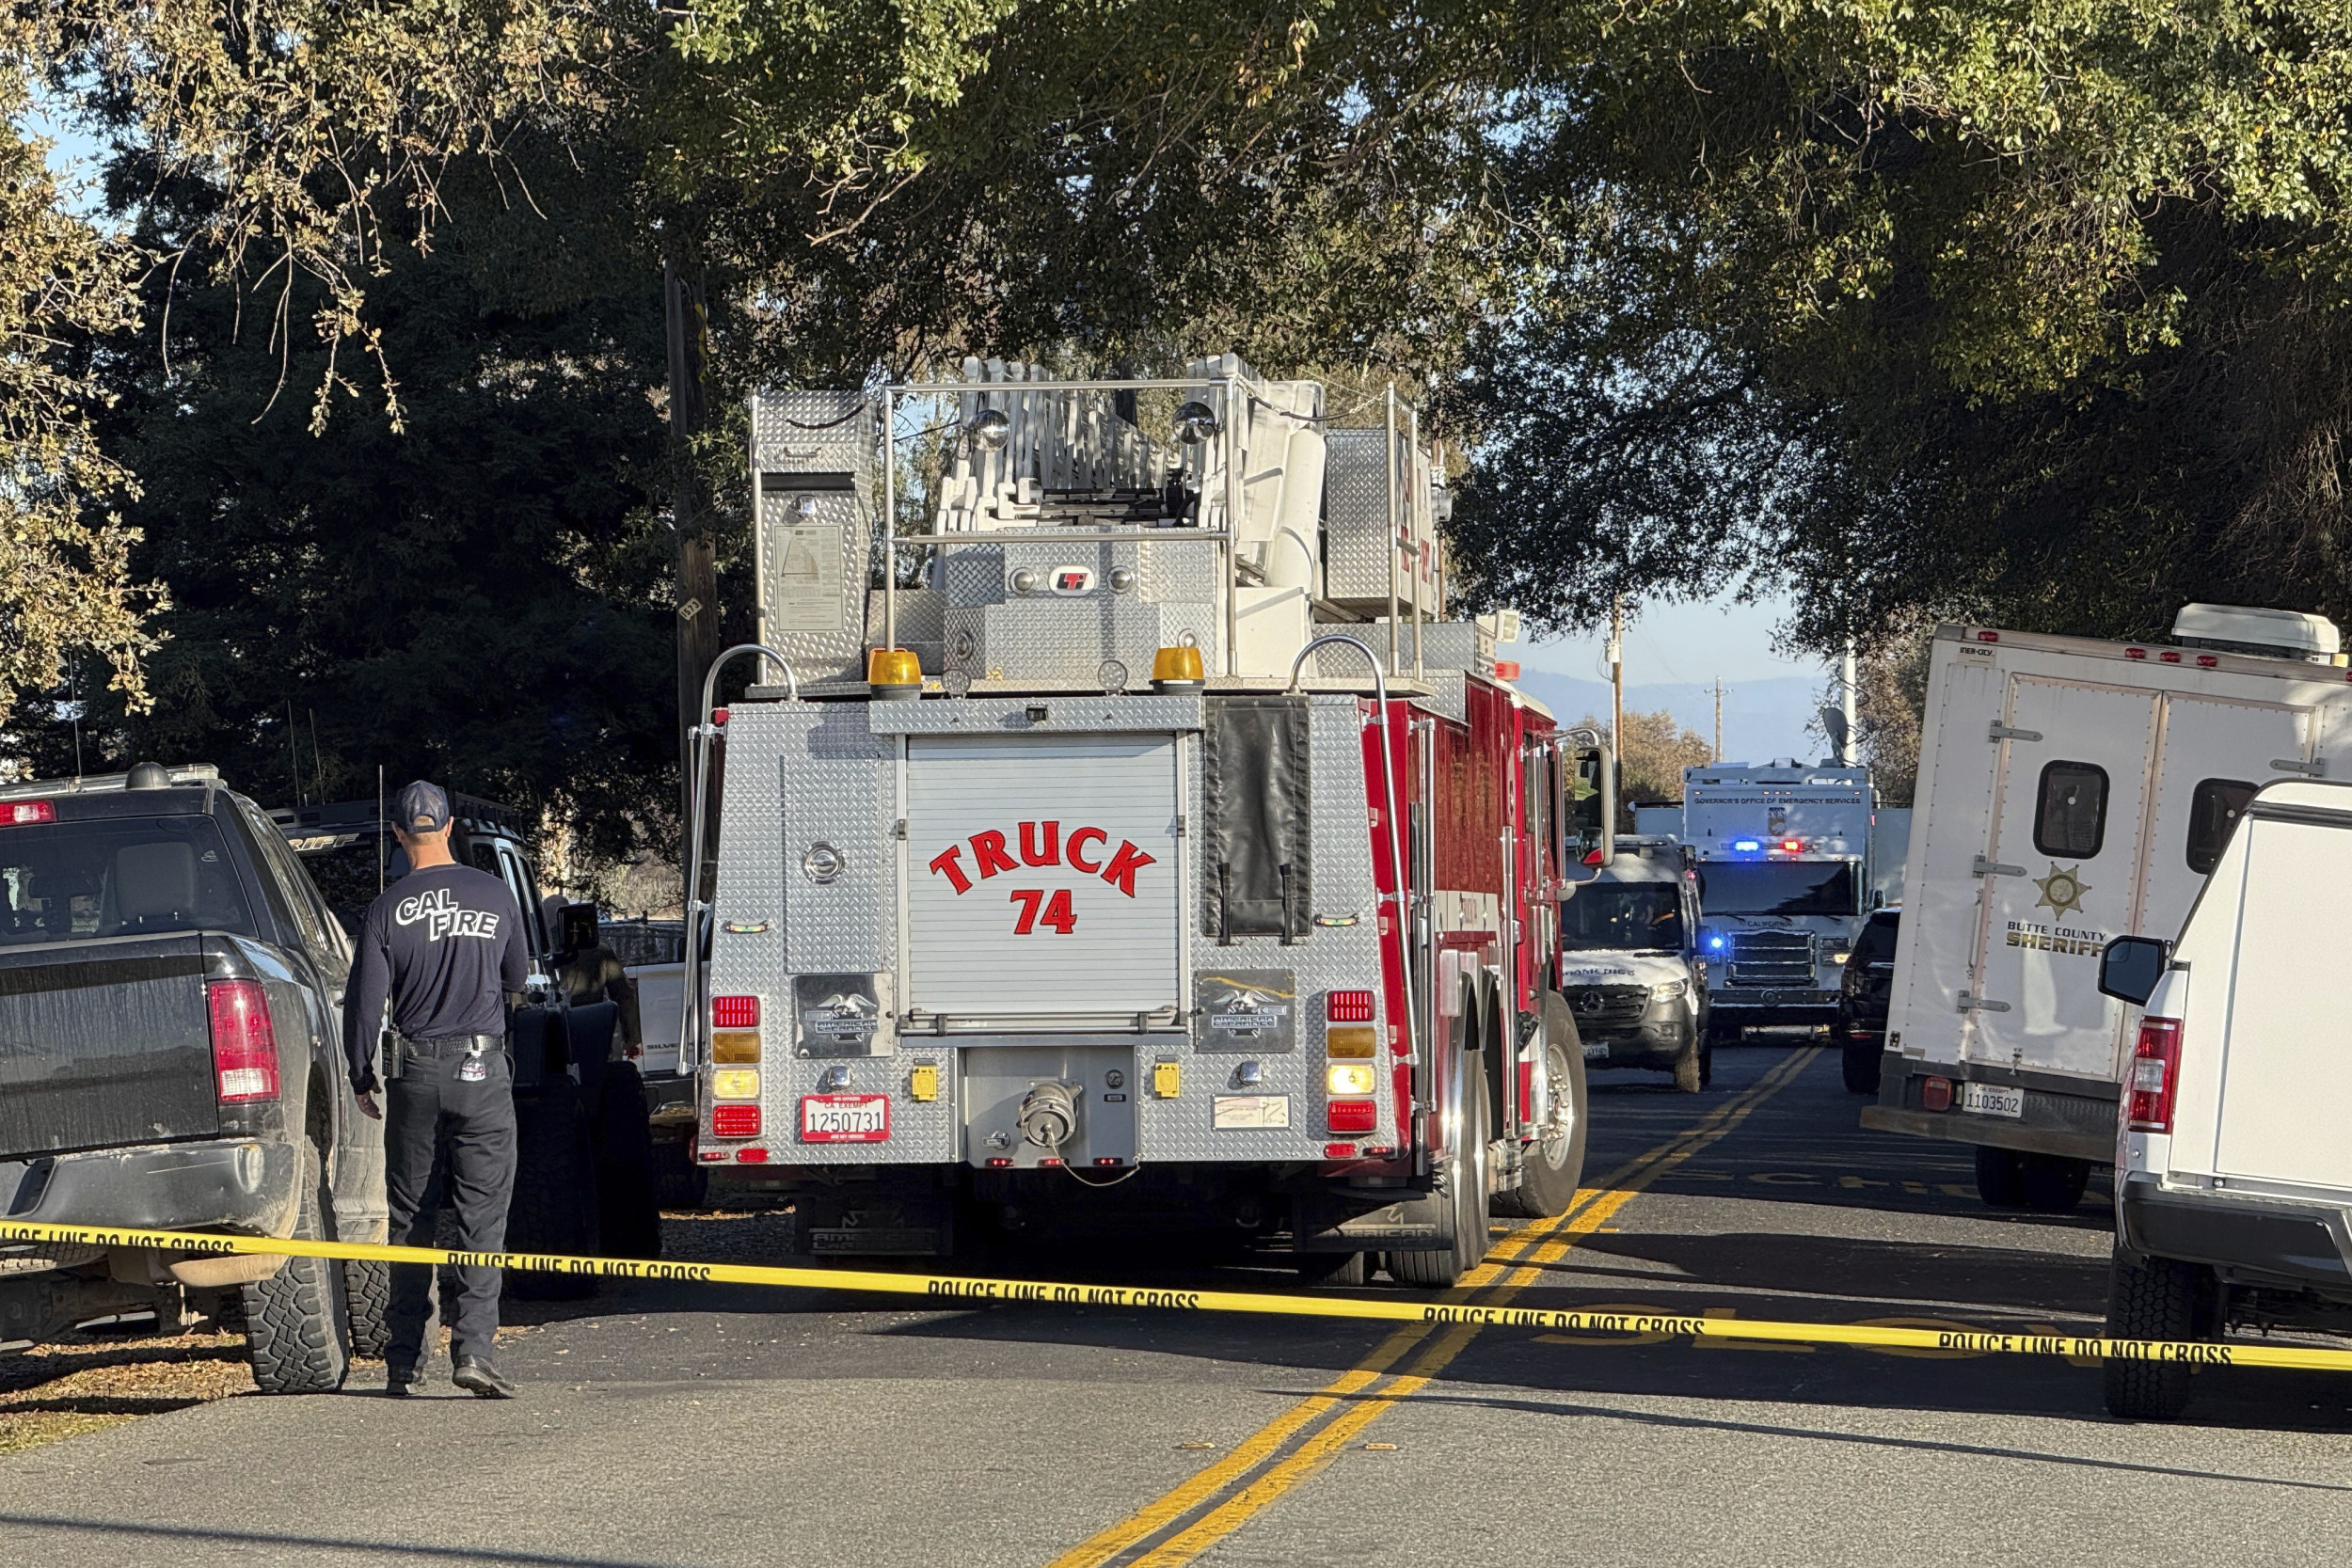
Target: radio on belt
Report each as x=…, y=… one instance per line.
x=1174, y=771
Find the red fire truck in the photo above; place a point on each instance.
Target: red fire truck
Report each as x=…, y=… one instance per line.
x=1132, y=846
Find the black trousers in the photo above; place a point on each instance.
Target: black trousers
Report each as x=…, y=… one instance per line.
x=448, y=1140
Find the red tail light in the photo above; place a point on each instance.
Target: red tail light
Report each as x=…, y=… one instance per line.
x=1348, y=1006
x=244, y=1046
x=735, y=1012
x=1355, y=1115
x=16, y=813
x=2155, y=1074
x=734, y=1121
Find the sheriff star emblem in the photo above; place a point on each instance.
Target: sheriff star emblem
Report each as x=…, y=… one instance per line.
x=2063, y=890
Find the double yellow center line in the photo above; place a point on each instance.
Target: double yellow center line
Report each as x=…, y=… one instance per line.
x=1270, y=1462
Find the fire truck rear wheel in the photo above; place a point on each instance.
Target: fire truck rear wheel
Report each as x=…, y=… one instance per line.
x=1334, y=1268
x=1551, y=1166
x=1466, y=1185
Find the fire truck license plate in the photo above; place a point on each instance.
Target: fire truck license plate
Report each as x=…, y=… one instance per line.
x=845, y=1119
x=1992, y=1100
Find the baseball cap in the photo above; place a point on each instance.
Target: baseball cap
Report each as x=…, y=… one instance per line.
x=420, y=808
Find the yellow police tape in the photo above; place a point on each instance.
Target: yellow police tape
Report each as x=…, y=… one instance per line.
x=948, y=1289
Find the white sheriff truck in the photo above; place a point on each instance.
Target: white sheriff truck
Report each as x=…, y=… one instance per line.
x=2072, y=791
x=1783, y=853
x=1140, y=852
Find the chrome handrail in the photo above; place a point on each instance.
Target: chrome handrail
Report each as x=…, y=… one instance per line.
x=690, y=987
x=1396, y=841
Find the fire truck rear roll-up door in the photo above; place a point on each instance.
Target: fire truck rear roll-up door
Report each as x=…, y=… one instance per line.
x=1044, y=875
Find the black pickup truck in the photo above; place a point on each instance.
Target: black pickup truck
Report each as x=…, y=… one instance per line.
x=170, y=1059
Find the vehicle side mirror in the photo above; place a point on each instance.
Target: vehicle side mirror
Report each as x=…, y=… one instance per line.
x=2130, y=967
x=1589, y=822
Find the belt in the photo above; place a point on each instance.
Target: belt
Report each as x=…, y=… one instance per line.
x=441, y=1043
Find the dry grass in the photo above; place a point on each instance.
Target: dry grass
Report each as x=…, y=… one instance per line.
x=102, y=1378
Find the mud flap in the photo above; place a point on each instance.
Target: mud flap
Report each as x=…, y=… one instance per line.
x=1339, y=1221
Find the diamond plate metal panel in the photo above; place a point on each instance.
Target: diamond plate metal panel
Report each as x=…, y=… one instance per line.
x=1355, y=517
x=797, y=774
x=812, y=431
x=973, y=575
x=993, y=715
x=922, y=627
x=1065, y=641
x=1332, y=958
x=812, y=547
x=836, y=789
x=1177, y=571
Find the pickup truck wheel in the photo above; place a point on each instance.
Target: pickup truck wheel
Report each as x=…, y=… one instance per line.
x=2051, y=1183
x=1707, y=1058
x=2000, y=1176
x=1551, y=1167
x=1861, y=1062
x=297, y=1325
x=2156, y=1298
x=368, y=1287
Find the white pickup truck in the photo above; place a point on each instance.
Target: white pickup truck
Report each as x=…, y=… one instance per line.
x=2233, y=1175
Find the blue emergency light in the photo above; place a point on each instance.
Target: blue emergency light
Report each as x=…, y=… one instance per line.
x=1747, y=846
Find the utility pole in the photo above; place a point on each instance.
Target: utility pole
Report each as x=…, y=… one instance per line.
x=697, y=560
x=1718, y=720
x=1617, y=679
x=1849, y=753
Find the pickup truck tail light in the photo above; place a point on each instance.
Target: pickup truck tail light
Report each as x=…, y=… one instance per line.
x=244, y=1046
x=2155, y=1074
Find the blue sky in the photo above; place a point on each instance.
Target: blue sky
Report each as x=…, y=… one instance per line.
x=1679, y=643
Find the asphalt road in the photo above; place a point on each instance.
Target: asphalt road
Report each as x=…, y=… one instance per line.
x=675, y=1425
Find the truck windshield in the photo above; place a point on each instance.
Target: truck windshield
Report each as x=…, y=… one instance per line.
x=1777, y=887
x=1623, y=916
x=116, y=877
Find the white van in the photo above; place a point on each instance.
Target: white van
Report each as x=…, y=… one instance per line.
x=2233, y=1172
x=1629, y=964
x=2070, y=791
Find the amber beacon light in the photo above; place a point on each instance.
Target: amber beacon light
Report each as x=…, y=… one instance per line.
x=1178, y=669
x=893, y=672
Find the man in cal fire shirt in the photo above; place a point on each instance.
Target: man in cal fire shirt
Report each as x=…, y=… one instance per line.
x=443, y=945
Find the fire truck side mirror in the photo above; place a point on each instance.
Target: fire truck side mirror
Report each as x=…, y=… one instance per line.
x=1589, y=818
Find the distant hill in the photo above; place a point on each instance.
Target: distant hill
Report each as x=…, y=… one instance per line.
x=1762, y=720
